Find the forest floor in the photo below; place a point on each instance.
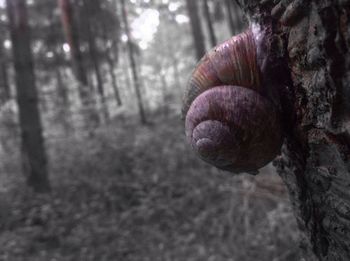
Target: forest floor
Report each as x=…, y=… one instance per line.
x=137, y=193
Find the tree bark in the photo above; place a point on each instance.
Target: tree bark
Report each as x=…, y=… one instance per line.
x=4, y=81
x=197, y=33
x=34, y=159
x=231, y=23
x=111, y=54
x=72, y=36
x=312, y=39
x=94, y=58
x=115, y=87
x=64, y=104
x=133, y=65
x=209, y=21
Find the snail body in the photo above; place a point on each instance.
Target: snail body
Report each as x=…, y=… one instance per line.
x=228, y=120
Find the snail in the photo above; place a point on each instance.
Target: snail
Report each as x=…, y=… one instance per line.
x=229, y=119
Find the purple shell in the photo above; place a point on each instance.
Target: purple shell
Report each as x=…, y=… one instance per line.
x=234, y=128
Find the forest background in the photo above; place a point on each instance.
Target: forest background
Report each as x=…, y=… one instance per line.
x=94, y=164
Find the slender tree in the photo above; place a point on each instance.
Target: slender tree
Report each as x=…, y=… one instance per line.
x=112, y=54
x=54, y=44
x=209, y=22
x=4, y=81
x=73, y=39
x=133, y=64
x=197, y=33
x=93, y=51
x=231, y=22
x=234, y=17
x=33, y=151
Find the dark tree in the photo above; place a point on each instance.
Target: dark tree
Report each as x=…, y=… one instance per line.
x=234, y=17
x=312, y=40
x=197, y=33
x=90, y=20
x=112, y=52
x=4, y=80
x=34, y=159
x=209, y=22
x=133, y=64
x=73, y=39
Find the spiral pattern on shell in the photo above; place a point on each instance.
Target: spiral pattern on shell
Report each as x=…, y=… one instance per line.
x=229, y=123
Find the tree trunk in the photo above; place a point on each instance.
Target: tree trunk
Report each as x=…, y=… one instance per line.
x=196, y=28
x=113, y=78
x=234, y=16
x=94, y=58
x=72, y=37
x=112, y=59
x=4, y=81
x=231, y=22
x=61, y=88
x=133, y=65
x=33, y=150
x=64, y=104
x=313, y=39
x=209, y=21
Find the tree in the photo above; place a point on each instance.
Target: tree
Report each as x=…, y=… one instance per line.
x=310, y=40
x=89, y=18
x=133, y=64
x=234, y=17
x=112, y=52
x=197, y=33
x=209, y=21
x=73, y=39
x=4, y=81
x=34, y=158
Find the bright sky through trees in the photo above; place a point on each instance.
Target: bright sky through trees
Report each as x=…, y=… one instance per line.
x=145, y=26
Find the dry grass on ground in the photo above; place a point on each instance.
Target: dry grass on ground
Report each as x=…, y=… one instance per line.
x=132, y=193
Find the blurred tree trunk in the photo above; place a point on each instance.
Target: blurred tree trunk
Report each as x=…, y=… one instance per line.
x=314, y=44
x=115, y=87
x=4, y=81
x=112, y=59
x=164, y=90
x=231, y=22
x=94, y=56
x=133, y=65
x=209, y=21
x=126, y=68
x=33, y=150
x=63, y=100
x=62, y=90
x=196, y=27
x=234, y=17
x=72, y=37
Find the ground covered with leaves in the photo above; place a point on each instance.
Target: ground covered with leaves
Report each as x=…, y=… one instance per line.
x=137, y=193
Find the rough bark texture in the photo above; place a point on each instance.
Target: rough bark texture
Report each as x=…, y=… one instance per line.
x=34, y=159
x=313, y=38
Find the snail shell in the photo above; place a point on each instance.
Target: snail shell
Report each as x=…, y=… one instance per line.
x=229, y=122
